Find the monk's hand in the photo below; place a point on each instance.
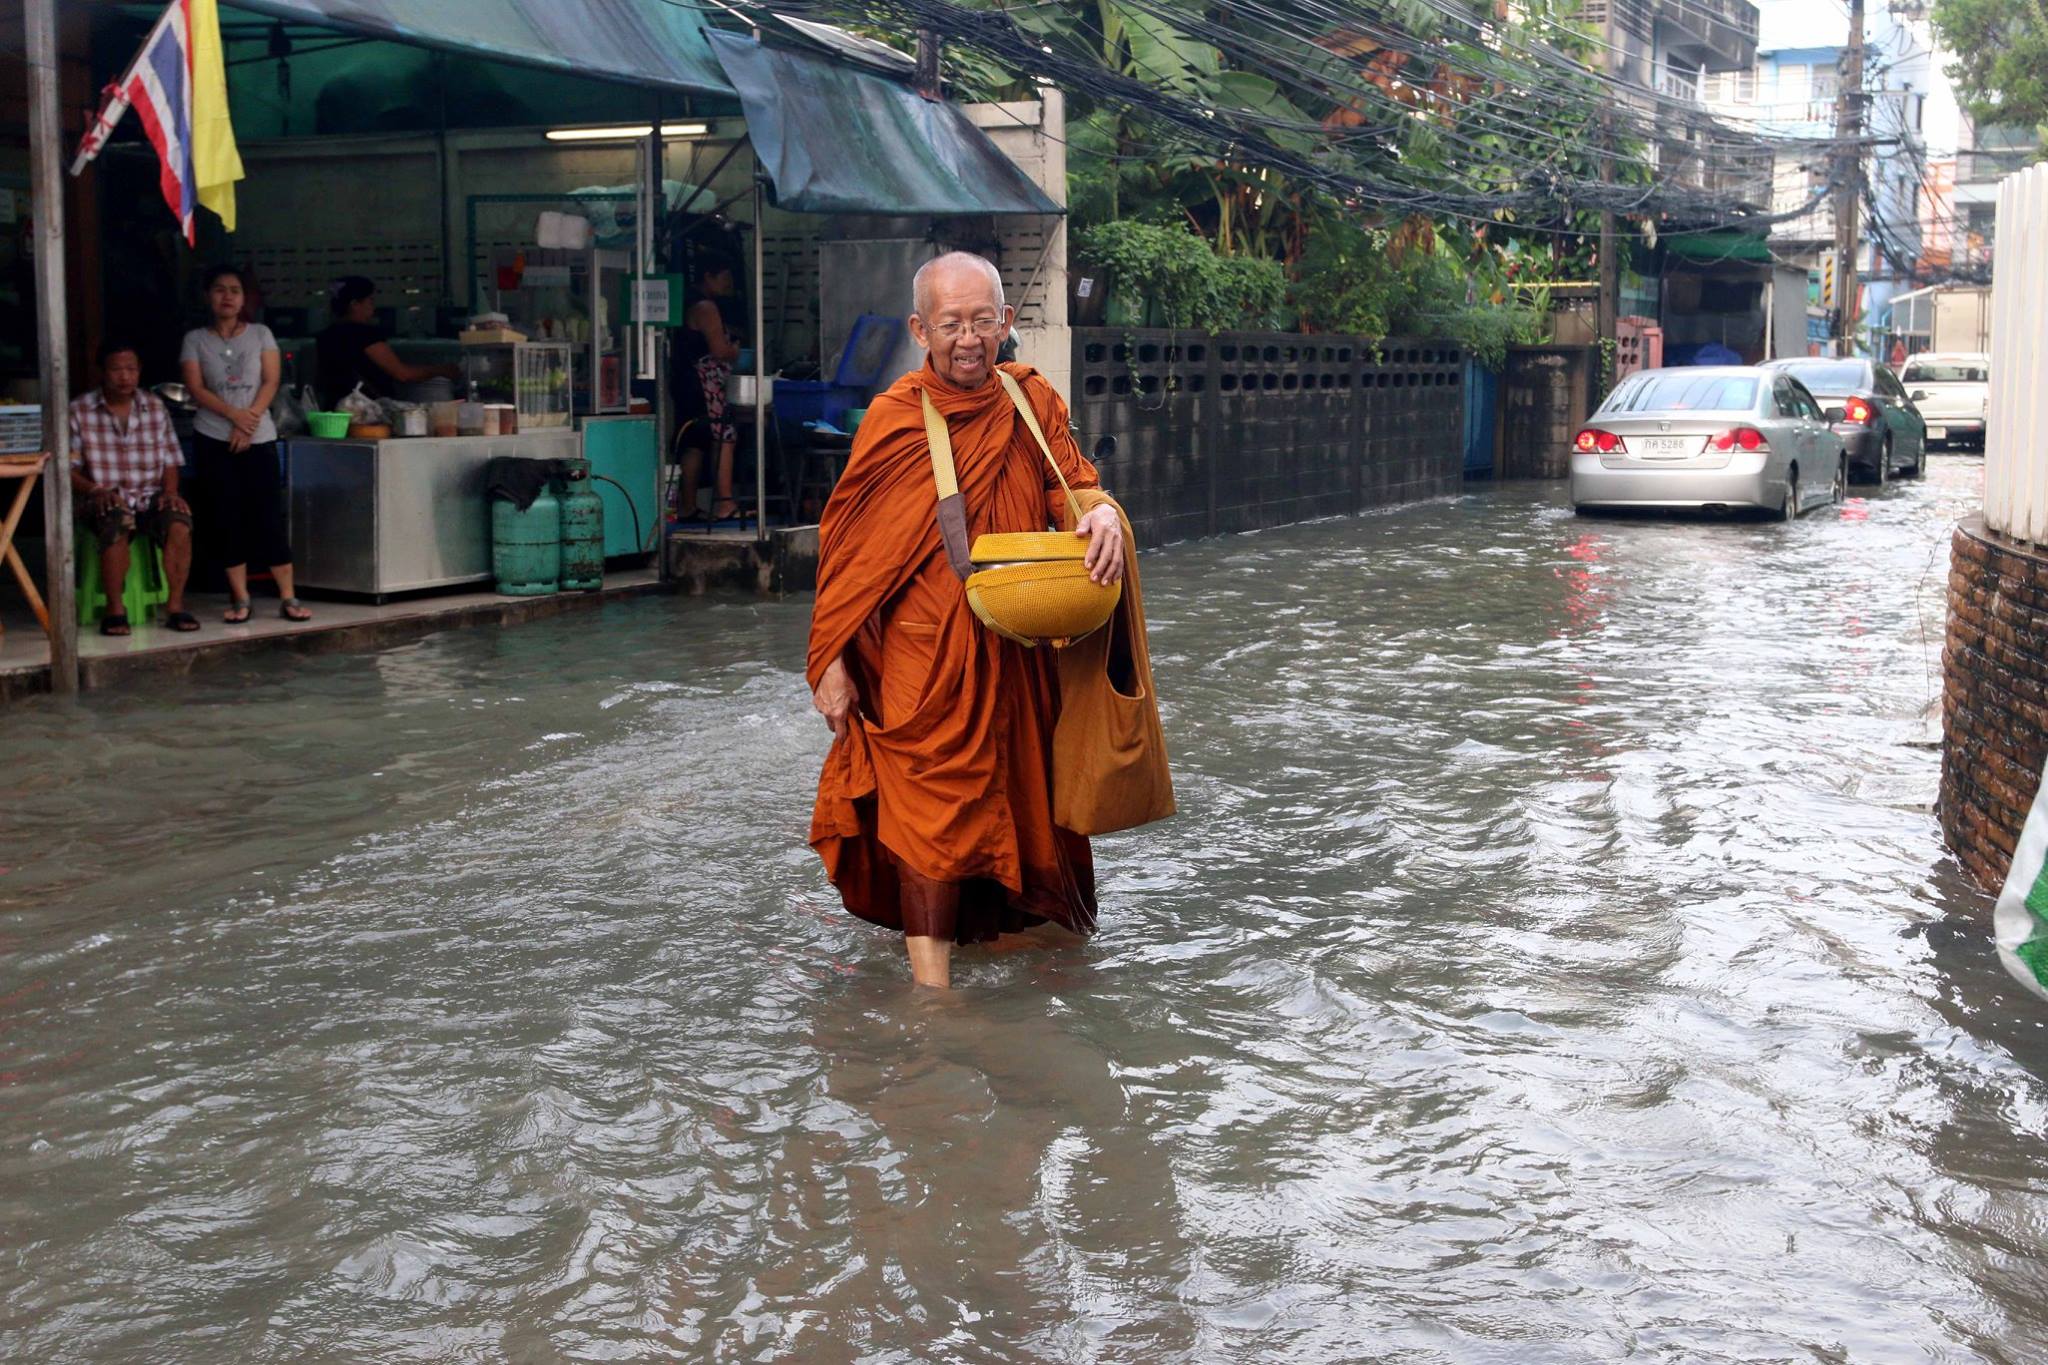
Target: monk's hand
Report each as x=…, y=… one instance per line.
x=834, y=697
x=1105, y=532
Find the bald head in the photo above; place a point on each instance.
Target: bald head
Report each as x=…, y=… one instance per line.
x=959, y=317
x=954, y=271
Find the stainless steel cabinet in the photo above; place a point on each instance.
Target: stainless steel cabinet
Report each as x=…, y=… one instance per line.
x=375, y=518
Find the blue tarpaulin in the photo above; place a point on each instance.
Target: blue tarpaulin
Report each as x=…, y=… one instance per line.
x=833, y=136
x=837, y=140
x=628, y=40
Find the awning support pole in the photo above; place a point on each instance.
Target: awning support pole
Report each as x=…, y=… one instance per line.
x=760, y=360
x=52, y=325
x=664, y=401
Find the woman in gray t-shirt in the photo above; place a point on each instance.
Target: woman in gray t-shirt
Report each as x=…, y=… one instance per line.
x=231, y=368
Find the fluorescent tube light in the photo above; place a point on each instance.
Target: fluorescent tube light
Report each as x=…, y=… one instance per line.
x=626, y=133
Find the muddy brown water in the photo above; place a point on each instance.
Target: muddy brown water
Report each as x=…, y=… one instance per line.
x=1556, y=960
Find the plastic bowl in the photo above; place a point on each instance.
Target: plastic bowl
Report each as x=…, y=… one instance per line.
x=328, y=426
x=852, y=419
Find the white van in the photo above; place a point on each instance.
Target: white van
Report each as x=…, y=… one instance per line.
x=1950, y=388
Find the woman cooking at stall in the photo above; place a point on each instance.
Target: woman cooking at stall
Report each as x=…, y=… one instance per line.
x=231, y=368
x=354, y=349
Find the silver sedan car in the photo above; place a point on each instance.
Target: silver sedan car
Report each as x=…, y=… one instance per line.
x=1714, y=438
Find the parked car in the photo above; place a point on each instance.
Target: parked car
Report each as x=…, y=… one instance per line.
x=1870, y=410
x=1952, y=389
x=1714, y=438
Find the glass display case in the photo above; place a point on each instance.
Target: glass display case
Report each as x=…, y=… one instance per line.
x=574, y=297
x=532, y=376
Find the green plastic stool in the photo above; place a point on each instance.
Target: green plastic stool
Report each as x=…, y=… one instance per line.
x=145, y=589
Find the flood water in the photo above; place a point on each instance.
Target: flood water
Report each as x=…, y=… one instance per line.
x=1556, y=959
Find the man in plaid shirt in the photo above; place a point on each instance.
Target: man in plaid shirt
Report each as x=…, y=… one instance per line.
x=124, y=474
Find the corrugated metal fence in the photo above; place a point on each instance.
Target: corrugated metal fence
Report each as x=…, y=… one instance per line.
x=2016, y=422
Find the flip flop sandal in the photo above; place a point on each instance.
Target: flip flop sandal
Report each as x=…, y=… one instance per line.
x=182, y=621
x=291, y=609
x=238, y=612
x=114, y=625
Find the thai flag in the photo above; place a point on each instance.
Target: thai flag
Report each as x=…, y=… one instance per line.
x=159, y=85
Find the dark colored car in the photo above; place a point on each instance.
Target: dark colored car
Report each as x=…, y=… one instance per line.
x=1869, y=410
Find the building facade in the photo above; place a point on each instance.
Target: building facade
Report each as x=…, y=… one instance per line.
x=1668, y=51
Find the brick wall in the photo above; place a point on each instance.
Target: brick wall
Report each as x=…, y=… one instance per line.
x=1994, y=696
x=1243, y=430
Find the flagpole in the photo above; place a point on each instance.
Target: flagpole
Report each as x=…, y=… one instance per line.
x=46, y=199
x=110, y=113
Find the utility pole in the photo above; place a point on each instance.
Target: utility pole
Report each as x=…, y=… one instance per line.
x=39, y=18
x=1607, y=311
x=1848, y=180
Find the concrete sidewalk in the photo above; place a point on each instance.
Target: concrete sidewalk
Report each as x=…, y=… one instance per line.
x=154, y=651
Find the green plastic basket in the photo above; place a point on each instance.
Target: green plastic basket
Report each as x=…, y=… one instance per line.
x=328, y=426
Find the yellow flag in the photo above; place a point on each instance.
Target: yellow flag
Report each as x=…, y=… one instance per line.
x=216, y=162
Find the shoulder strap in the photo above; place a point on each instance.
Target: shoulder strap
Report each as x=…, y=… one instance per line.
x=952, y=507
x=1016, y=392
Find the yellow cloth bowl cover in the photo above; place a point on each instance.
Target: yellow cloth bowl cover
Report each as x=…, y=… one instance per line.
x=1036, y=587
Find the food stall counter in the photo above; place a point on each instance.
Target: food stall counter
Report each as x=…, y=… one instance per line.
x=377, y=518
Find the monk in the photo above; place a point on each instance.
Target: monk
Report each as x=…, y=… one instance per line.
x=934, y=810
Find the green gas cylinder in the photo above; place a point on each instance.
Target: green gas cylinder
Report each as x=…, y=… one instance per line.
x=526, y=547
x=582, y=529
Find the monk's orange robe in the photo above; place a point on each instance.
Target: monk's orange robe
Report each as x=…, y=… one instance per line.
x=947, y=764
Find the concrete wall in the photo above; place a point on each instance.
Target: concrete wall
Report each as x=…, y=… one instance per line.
x=1033, y=251
x=1239, y=431
x=1545, y=399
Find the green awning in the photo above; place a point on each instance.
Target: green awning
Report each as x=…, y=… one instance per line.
x=1710, y=247
x=651, y=44
x=836, y=140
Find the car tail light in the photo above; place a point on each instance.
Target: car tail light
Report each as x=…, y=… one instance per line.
x=1739, y=438
x=1857, y=411
x=1605, y=442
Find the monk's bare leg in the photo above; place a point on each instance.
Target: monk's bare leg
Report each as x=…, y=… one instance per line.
x=931, y=912
x=931, y=960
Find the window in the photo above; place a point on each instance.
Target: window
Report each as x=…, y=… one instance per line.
x=1824, y=85
x=1945, y=372
x=1677, y=391
x=1735, y=87
x=1836, y=377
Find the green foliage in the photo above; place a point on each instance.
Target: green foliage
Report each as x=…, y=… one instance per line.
x=1172, y=273
x=1254, y=292
x=2001, y=57
x=1413, y=96
x=1369, y=282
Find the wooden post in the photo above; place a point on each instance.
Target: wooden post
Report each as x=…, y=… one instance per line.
x=52, y=336
x=926, y=78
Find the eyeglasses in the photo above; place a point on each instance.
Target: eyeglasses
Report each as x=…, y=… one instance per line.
x=985, y=328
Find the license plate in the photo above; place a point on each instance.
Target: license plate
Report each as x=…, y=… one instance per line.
x=1670, y=447
x=1937, y=433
